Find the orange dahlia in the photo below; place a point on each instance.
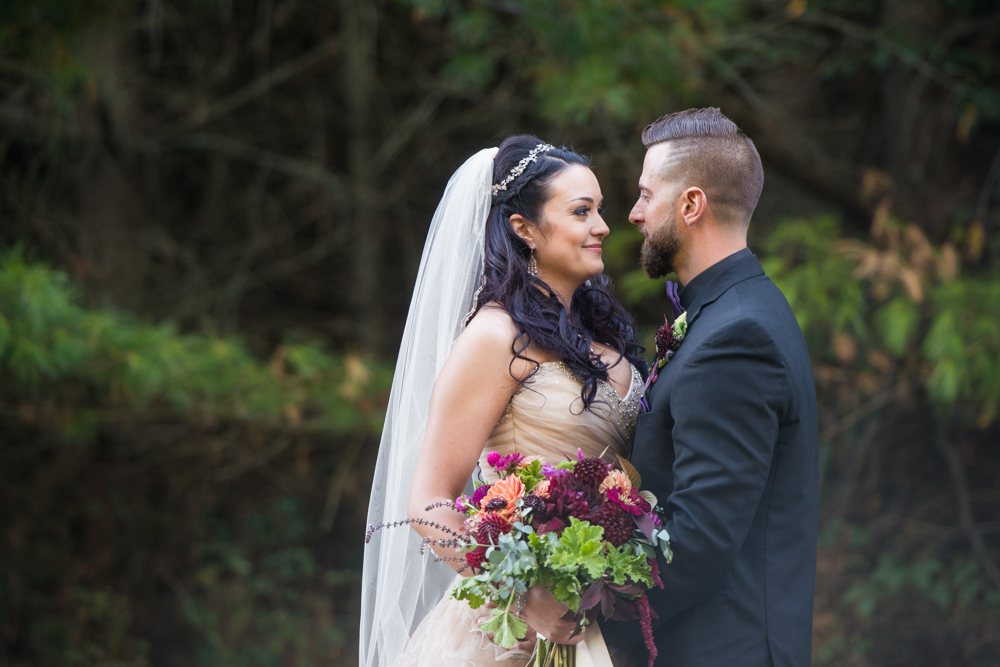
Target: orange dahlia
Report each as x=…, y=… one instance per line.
x=508, y=489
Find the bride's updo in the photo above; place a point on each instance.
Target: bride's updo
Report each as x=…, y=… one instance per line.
x=539, y=316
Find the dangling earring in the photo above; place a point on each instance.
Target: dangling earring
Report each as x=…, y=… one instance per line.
x=532, y=265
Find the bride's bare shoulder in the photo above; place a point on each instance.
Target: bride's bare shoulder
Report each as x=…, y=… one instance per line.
x=491, y=328
x=490, y=335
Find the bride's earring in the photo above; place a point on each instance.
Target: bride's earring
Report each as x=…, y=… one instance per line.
x=532, y=265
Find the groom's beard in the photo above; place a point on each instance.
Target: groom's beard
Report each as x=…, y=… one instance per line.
x=660, y=249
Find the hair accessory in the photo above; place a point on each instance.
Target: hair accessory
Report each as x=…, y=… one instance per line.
x=521, y=166
x=532, y=265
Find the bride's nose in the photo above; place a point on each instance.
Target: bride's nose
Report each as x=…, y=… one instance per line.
x=600, y=229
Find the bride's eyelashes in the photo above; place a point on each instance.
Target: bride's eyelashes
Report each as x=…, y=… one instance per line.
x=583, y=210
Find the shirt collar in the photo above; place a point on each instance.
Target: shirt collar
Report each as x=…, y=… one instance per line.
x=695, y=286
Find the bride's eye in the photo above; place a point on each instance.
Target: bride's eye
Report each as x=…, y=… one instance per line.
x=581, y=211
x=600, y=211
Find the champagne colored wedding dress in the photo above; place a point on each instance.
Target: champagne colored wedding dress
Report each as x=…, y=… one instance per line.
x=545, y=418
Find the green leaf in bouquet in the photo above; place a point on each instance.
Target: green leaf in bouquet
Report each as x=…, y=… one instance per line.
x=581, y=545
x=469, y=589
x=507, y=628
x=566, y=465
x=531, y=474
x=565, y=587
x=626, y=565
x=494, y=556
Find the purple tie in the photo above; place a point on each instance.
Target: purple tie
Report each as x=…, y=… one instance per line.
x=674, y=297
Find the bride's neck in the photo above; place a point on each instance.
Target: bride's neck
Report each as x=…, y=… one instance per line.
x=563, y=289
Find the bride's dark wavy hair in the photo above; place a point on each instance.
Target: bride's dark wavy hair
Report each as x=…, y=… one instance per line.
x=541, y=319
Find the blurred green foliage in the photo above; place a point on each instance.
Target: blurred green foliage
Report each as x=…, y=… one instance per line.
x=898, y=311
x=256, y=589
x=54, y=347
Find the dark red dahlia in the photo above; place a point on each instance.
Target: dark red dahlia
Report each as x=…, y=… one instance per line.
x=591, y=471
x=495, y=505
x=476, y=557
x=618, y=523
x=537, y=506
x=480, y=493
x=491, y=527
x=569, y=496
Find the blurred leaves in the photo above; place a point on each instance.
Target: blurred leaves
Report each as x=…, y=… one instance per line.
x=48, y=341
x=178, y=416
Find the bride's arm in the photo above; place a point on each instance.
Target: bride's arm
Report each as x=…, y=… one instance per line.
x=470, y=394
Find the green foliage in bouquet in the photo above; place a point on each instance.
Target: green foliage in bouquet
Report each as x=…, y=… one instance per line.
x=567, y=564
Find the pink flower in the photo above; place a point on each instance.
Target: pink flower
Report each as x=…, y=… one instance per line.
x=502, y=463
x=629, y=500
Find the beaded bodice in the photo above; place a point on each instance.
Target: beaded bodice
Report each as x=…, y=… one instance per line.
x=545, y=417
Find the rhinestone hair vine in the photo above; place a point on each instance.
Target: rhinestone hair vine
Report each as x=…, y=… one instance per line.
x=521, y=166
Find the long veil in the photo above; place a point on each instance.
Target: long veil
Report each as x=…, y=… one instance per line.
x=398, y=585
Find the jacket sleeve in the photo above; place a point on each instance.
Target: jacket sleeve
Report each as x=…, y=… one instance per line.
x=726, y=402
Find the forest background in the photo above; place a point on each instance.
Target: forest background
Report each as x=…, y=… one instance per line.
x=212, y=216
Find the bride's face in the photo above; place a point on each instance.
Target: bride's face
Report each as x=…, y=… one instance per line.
x=568, y=239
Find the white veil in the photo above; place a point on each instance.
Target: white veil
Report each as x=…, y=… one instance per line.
x=399, y=586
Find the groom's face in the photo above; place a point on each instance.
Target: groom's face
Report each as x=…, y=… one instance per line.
x=655, y=213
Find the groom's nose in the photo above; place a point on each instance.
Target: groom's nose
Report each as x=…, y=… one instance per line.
x=635, y=215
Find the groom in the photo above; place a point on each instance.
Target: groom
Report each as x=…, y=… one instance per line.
x=729, y=445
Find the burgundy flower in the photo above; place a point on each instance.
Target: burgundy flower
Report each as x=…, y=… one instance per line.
x=646, y=614
x=569, y=496
x=537, y=506
x=591, y=471
x=495, y=505
x=491, y=528
x=476, y=557
x=664, y=339
x=617, y=522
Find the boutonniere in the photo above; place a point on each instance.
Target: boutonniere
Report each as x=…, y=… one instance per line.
x=668, y=338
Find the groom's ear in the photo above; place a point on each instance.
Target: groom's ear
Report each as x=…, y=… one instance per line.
x=521, y=227
x=693, y=204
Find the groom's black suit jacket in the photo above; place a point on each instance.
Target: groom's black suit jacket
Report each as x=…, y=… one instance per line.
x=729, y=447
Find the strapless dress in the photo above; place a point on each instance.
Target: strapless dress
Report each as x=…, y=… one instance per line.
x=545, y=417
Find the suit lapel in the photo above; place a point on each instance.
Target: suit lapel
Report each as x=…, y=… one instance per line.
x=744, y=269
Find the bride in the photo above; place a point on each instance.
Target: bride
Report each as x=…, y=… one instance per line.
x=513, y=327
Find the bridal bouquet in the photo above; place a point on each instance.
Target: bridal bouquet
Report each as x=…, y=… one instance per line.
x=580, y=528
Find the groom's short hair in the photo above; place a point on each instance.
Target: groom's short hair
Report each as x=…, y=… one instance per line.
x=709, y=151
